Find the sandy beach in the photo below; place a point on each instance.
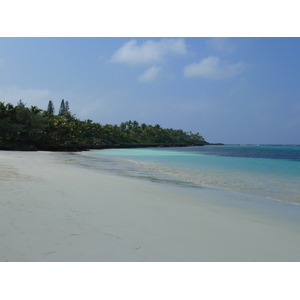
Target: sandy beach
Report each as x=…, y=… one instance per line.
x=54, y=210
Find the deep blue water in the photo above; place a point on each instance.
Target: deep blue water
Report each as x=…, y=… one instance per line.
x=286, y=152
x=271, y=171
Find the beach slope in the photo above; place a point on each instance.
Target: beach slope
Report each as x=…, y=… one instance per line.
x=51, y=209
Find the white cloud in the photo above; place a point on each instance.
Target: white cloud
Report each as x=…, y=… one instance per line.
x=220, y=44
x=149, y=52
x=213, y=68
x=150, y=74
x=12, y=94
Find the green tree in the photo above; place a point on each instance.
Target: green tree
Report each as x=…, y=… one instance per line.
x=66, y=107
x=32, y=121
x=50, y=109
x=62, y=109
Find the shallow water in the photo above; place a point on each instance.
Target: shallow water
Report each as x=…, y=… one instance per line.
x=264, y=171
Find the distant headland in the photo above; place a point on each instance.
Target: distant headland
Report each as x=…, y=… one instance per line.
x=31, y=129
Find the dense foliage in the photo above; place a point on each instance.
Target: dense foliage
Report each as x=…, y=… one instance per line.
x=25, y=128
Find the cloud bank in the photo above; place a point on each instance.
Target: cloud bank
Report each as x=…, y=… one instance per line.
x=213, y=68
x=12, y=94
x=149, y=52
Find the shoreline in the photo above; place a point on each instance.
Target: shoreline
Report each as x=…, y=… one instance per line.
x=162, y=172
x=74, y=147
x=55, y=211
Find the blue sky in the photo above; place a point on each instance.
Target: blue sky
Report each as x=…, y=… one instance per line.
x=230, y=90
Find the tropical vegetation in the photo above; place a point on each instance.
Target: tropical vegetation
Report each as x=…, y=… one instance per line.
x=31, y=128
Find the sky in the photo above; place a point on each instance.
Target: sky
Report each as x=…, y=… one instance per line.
x=230, y=90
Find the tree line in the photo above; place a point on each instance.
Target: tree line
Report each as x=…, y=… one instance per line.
x=31, y=128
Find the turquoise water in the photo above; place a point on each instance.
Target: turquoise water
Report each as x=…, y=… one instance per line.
x=260, y=170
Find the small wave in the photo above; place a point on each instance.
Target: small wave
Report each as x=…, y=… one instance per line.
x=258, y=178
x=251, y=184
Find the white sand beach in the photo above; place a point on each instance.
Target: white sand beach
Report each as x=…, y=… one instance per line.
x=51, y=210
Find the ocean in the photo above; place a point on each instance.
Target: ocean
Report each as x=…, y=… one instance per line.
x=268, y=171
